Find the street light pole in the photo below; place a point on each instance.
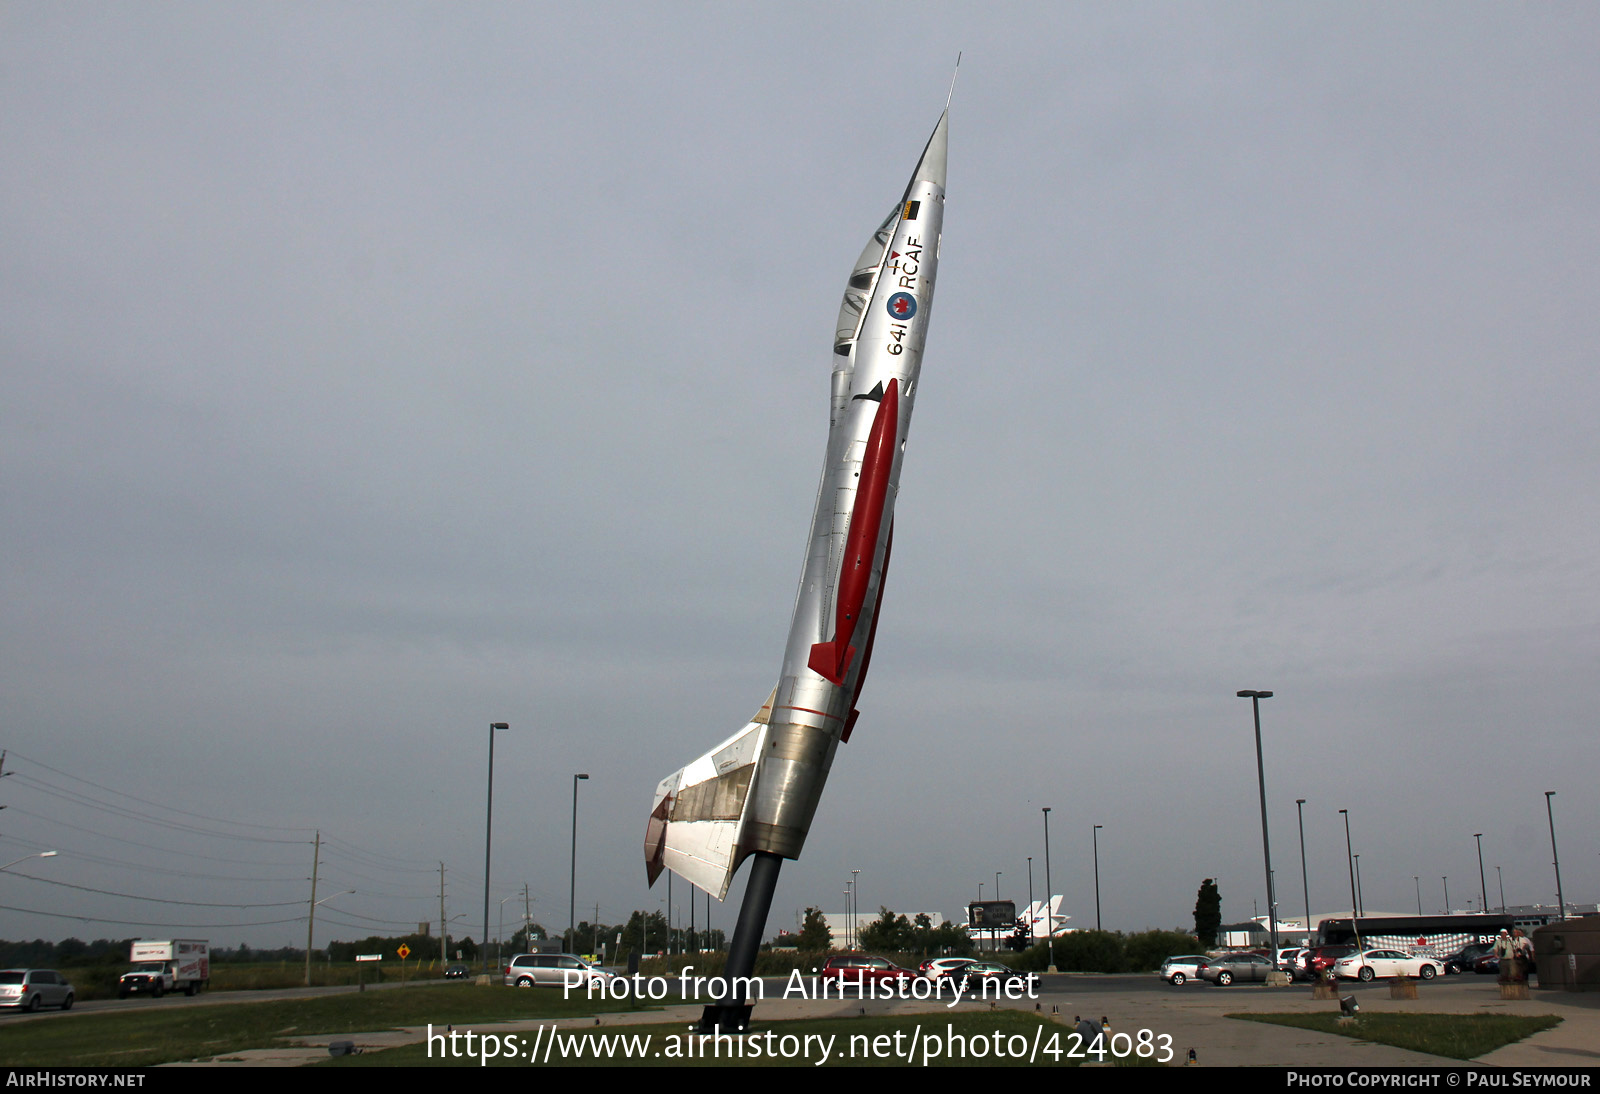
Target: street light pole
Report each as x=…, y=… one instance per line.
x=1561, y=901
x=1349, y=862
x=1483, y=885
x=1096, y=836
x=1361, y=903
x=488, y=844
x=572, y=881
x=1255, y=698
x=1417, y=878
x=1305, y=889
x=1049, y=895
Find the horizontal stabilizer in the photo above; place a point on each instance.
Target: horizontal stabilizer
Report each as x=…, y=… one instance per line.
x=831, y=661
x=696, y=826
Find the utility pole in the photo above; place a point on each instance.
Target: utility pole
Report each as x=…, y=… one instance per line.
x=311, y=913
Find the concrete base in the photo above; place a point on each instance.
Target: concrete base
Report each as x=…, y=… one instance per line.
x=1277, y=978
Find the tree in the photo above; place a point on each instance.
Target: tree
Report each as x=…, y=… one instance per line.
x=1208, y=913
x=814, y=935
x=889, y=932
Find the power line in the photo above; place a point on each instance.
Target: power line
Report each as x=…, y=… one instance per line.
x=159, y=805
x=151, y=899
x=165, y=926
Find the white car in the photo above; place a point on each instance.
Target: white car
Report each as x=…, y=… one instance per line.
x=943, y=966
x=1379, y=964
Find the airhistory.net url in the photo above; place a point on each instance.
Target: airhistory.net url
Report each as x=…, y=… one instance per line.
x=550, y=1044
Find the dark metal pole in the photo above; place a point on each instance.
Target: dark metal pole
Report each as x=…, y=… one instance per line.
x=1501, y=878
x=1305, y=889
x=1361, y=902
x=488, y=842
x=1561, y=901
x=1255, y=698
x=572, y=881
x=1049, y=895
x=1483, y=884
x=731, y=1013
x=1446, y=881
x=1349, y=860
x=1418, y=879
x=1096, y=836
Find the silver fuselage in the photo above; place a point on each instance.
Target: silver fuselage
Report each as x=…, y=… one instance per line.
x=872, y=348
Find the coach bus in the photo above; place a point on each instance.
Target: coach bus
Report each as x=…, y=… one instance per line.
x=1423, y=935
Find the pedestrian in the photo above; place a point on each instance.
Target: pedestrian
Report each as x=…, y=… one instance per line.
x=1505, y=951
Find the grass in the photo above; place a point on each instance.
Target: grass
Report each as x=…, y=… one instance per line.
x=881, y=1041
x=1458, y=1036
x=140, y=1037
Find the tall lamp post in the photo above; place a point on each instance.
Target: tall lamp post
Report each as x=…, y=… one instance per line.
x=1561, y=901
x=1417, y=878
x=1305, y=889
x=572, y=881
x=1255, y=698
x=1049, y=895
x=1349, y=862
x=488, y=844
x=1483, y=884
x=1361, y=900
x=1446, y=881
x=1096, y=837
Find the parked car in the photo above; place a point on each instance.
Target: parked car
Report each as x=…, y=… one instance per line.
x=975, y=974
x=1489, y=964
x=1382, y=964
x=936, y=967
x=1182, y=968
x=554, y=970
x=1228, y=967
x=1320, y=959
x=30, y=989
x=1462, y=959
x=860, y=968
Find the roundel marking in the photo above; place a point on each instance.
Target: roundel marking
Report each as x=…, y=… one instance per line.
x=902, y=305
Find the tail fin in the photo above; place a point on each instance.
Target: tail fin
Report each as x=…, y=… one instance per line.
x=696, y=827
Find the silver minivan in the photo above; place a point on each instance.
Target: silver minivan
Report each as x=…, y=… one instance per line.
x=552, y=970
x=30, y=989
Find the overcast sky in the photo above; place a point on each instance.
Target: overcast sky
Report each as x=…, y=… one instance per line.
x=373, y=372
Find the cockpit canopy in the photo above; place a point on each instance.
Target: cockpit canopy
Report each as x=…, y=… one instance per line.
x=858, y=291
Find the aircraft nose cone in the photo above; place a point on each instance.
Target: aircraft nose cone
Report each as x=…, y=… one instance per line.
x=931, y=169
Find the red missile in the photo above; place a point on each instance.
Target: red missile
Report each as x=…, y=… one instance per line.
x=831, y=660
